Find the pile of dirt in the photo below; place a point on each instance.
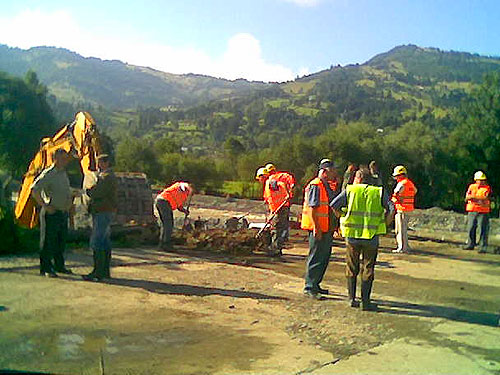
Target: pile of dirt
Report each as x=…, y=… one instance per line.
x=240, y=242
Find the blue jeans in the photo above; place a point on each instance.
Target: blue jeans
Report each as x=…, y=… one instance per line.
x=100, y=243
x=317, y=261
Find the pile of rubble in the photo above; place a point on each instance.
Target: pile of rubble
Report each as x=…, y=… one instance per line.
x=231, y=237
x=448, y=221
x=240, y=242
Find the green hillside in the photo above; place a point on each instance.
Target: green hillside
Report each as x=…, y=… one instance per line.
x=114, y=84
x=408, y=83
x=435, y=112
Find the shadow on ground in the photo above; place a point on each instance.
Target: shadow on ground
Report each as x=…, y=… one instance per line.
x=435, y=311
x=187, y=290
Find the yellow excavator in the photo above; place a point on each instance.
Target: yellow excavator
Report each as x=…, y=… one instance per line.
x=81, y=139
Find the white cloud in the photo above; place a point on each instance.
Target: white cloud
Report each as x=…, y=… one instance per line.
x=241, y=59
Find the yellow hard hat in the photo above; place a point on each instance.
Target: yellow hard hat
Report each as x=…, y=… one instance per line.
x=400, y=169
x=262, y=171
x=479, y=175
x=270, y=167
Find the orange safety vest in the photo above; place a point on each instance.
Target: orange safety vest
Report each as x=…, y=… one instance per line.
x=479, y=191
x=405, y=199
x=175, y=195
x=274, y=198
x=322, y=211
x=285, y=177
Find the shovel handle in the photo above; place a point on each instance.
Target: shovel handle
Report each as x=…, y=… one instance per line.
x=268, y=221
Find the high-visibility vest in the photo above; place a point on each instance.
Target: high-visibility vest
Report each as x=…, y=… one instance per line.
x=176, y=194
x=365, y=214
x=285, y=177
x=405, y=199
x=275, y=193
x=479, y=191
x=322, y=211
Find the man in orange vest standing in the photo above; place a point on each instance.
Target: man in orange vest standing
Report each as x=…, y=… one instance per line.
x=170, y=199
x=404, y=200
x=289, y=180
x=319, y=220
x=478, y=209
x=276, y=196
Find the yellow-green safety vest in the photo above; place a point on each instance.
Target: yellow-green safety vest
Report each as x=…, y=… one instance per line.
x=365, y=214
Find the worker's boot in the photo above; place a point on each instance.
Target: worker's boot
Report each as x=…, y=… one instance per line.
x=94, y=255
x=107, y=264
x=351, y=290
x=366, y=290
x=100, y=266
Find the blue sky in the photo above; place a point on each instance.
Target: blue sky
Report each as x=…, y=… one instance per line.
x=270, y=40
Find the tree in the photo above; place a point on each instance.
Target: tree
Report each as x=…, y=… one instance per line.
x=476, y=140
x=25, y=118
x=137, y=155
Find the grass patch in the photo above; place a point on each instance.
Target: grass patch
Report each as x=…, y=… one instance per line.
x=242, y=189
x=278, y=103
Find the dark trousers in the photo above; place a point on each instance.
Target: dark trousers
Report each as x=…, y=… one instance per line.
x=165, y=221
x=100, y=243
x=317, y=261
x=368, y=250
x=279, y=230
x=475, y=219
x=53, y=233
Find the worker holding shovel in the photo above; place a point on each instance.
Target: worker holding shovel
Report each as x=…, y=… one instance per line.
x=173, y=197
x=276, y=196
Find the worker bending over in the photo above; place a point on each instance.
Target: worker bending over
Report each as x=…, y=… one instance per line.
x=478, y=210
x=289, y=180
x=369, y=210
x=172, y=198
x=319, y=220
x=277, y=197
x=404, y=200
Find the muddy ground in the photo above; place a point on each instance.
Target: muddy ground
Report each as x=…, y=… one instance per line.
x=192, y=312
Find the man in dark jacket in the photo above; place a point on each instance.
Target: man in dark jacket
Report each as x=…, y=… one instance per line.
x=102, y=205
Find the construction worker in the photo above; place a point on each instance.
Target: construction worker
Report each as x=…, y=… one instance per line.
x=285, y=177
x=404, y=201
x=261, y=175
x=478, y=209
x=318, y=219
x=289, y=180
x=276, y=196
x=51, y=190
x=102, y=205
x=172, y=198
x=369, y=210
x=376, y=177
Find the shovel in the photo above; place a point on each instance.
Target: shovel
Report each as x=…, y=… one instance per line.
x=186, y=220
x=270, y=218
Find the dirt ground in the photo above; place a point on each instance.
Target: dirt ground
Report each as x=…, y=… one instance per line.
x=189, y=312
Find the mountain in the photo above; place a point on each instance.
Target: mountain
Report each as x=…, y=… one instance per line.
x=405, y=84
x=114, y=84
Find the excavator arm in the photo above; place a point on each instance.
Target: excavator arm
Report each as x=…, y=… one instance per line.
x=79, y=138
